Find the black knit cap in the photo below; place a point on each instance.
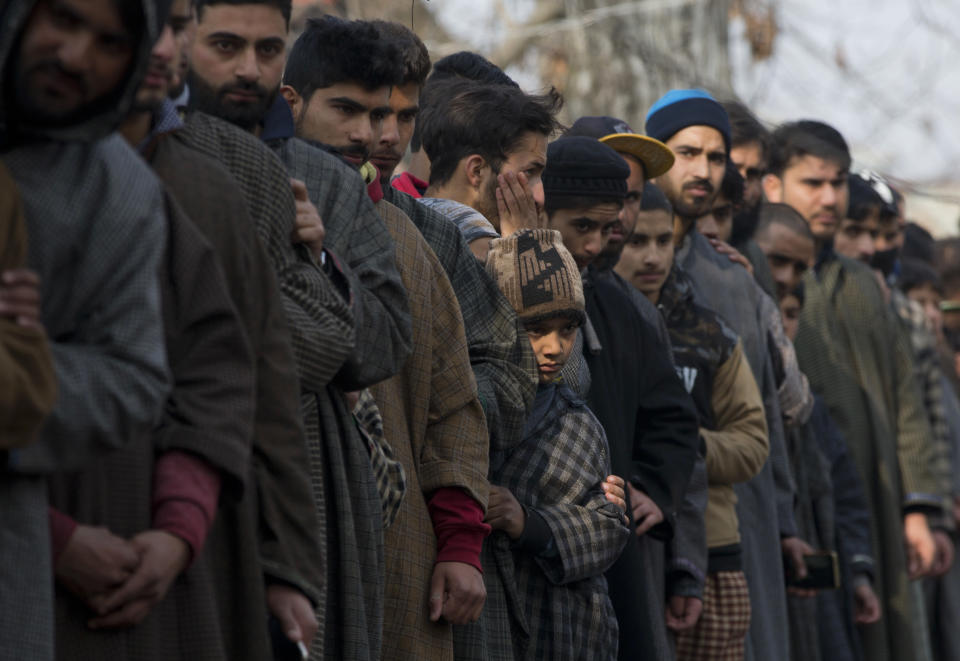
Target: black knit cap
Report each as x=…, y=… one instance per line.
x=583, y=167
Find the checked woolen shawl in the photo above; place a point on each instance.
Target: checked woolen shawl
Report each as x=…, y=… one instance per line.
x=434, y=422
x=557, y=472
x=272, y=531
x=858, y=359
x=500, y=353
x=320, y=321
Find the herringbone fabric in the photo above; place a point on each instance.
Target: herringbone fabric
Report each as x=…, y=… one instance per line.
x=434, y=421
x=355, y=234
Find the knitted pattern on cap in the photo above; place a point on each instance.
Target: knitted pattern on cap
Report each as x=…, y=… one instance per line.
x=678, y=109
x=537, y=275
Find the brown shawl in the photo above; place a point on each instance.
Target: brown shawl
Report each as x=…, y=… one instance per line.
x=435, y=424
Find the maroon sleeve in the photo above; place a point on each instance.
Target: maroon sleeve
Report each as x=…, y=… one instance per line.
x=185, y=494
x=458, y=524
x=61, y=529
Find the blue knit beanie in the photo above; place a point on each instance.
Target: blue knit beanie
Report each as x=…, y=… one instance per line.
x=678, y=109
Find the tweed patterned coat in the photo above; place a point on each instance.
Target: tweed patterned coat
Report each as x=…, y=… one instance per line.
x=27, y=380
x=433, y=420
x=344, y=486
x=272, y=531
x=856, y=357
x=357, y=236
x=556, y=474
x=500, y=353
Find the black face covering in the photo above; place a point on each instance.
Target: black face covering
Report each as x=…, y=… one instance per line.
x=885, y=260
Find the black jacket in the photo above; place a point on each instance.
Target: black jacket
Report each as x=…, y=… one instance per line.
x=652, y=430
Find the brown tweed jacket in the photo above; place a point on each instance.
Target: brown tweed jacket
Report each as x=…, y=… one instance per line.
x=434, y=422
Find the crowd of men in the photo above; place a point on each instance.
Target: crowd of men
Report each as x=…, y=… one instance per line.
x=332, y=352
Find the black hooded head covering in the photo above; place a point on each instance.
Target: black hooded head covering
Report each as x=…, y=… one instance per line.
x=144, y=18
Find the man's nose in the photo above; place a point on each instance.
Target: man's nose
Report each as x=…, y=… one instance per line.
x=390, y=133
x=76, y=52
x=248, y=69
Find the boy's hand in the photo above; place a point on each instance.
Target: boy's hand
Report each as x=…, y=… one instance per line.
x=504, y=512
x=646, y=514
x=613, y=488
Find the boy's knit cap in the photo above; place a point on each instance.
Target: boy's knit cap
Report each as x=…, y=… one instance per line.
x=537, y=274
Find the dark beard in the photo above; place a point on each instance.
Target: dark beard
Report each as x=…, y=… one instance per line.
x=744, y=225
x=607, y=259
x=487, y=204
x=205, y=98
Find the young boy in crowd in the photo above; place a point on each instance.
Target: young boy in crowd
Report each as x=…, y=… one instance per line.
x=711, y=364
x=547, y=495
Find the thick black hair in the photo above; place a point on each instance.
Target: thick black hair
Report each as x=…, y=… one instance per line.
x=655, y=199
x=332, y=50
x=806, y=138
x=471, y=66
x=916, y=273
x=918, y=243
x=459, y=118
x=413, y=54
x=863, y=199
x=745, y=128
x=463, y=65
x=285, y=6
x=782, y=214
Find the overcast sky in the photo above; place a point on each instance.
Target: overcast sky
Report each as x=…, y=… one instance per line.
x=897, y=100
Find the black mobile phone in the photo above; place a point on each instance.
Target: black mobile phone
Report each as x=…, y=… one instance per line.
x=823, y=571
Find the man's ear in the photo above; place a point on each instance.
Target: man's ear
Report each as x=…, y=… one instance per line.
x=295, y=101
x=476, y=169
x=772, y=188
